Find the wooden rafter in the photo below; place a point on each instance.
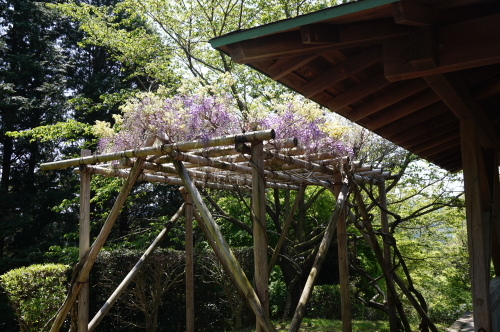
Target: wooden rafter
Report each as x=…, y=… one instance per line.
x=460, y=46
x=290, y=43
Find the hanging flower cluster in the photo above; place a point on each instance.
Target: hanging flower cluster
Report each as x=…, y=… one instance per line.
x=187, y=117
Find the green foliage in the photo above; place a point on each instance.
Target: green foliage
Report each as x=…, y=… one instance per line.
x=35, y=292
x=70, y=130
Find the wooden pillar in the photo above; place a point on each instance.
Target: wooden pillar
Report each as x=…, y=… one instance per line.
x=393, y=318
x=189, y=261
x=259, y=227
x=84, y=244
x=478, y=205
x=84, y=266
x=345, y=300
x=495, y=241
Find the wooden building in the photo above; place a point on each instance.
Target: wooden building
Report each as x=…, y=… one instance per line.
x=424, y=74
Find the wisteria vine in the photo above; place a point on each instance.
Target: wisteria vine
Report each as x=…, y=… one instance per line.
x=186, y=117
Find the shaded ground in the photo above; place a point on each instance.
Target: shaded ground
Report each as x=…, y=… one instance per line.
x=326, y=325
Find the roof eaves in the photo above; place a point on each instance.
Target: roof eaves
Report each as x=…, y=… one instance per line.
x=314, y=17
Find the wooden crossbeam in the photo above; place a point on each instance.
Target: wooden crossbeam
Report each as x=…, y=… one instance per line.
x=397, y=112
x=412, y=120
x=413, y=13
x=358, y=91
x=435, y=141
x=426, y=130
x=452, y=145
x=289, y=43
x=343, y=70
x=385, y=100
x=462, y=45
x=453, y=92
x=285, y=66
x=321, y=33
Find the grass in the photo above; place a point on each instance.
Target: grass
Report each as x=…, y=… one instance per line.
x=328, y=325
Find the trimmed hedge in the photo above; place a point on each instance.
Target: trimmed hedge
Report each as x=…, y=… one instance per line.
x=35, y=293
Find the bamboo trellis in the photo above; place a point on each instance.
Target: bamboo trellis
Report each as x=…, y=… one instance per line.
x=239, y=162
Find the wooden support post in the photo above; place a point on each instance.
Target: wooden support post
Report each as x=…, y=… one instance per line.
x=318, y=261
x=85, y=265
x=478, y=206
x=83, y=298
x=259, y=227
x=131, y=275
x=345, y=298
x=226, y=255
x=495, y=240
x=284, y=231
x=189, y=261
x=393, y=318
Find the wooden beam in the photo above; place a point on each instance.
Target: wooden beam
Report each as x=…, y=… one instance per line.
x=321, y=33
x=397, y=112
x=413, y=13
x=478, y=211
x=487, y=89
x=285, y=66
x=434, y=141
x=84, y=245
x=289, y=43
x=453, y=92
x=259, y=228
x=446, y=154
x=423, y=47
x=426, y=130
x=450, y=144
x=358, y=91
x=462, y=45
x=343, y=70
x=412, y=120
x=449, y=163
x=406, y=90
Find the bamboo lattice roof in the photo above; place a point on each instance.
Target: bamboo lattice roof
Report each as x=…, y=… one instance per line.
x=406, y=70
x=224, y=163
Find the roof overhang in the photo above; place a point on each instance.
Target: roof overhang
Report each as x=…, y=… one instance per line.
x=409, y=71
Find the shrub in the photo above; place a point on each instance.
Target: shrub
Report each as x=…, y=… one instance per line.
x=35, y=293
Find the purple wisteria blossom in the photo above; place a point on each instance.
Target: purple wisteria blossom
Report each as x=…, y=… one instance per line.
x=194, y=117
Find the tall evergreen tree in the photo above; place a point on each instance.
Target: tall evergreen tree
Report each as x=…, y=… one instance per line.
x=32, y=87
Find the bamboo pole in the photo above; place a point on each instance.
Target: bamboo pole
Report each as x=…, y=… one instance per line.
x=206, y=176
x=163, y=149
x=284, y=231
x=155, y=178
x=318, y=261
x=229, y=261
x=189, y=261
x=242, y=169
x=343, y=261
x=84, y=244
x=393, y=318
x=85, y=265
x=261, y=277
x=131, y=275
